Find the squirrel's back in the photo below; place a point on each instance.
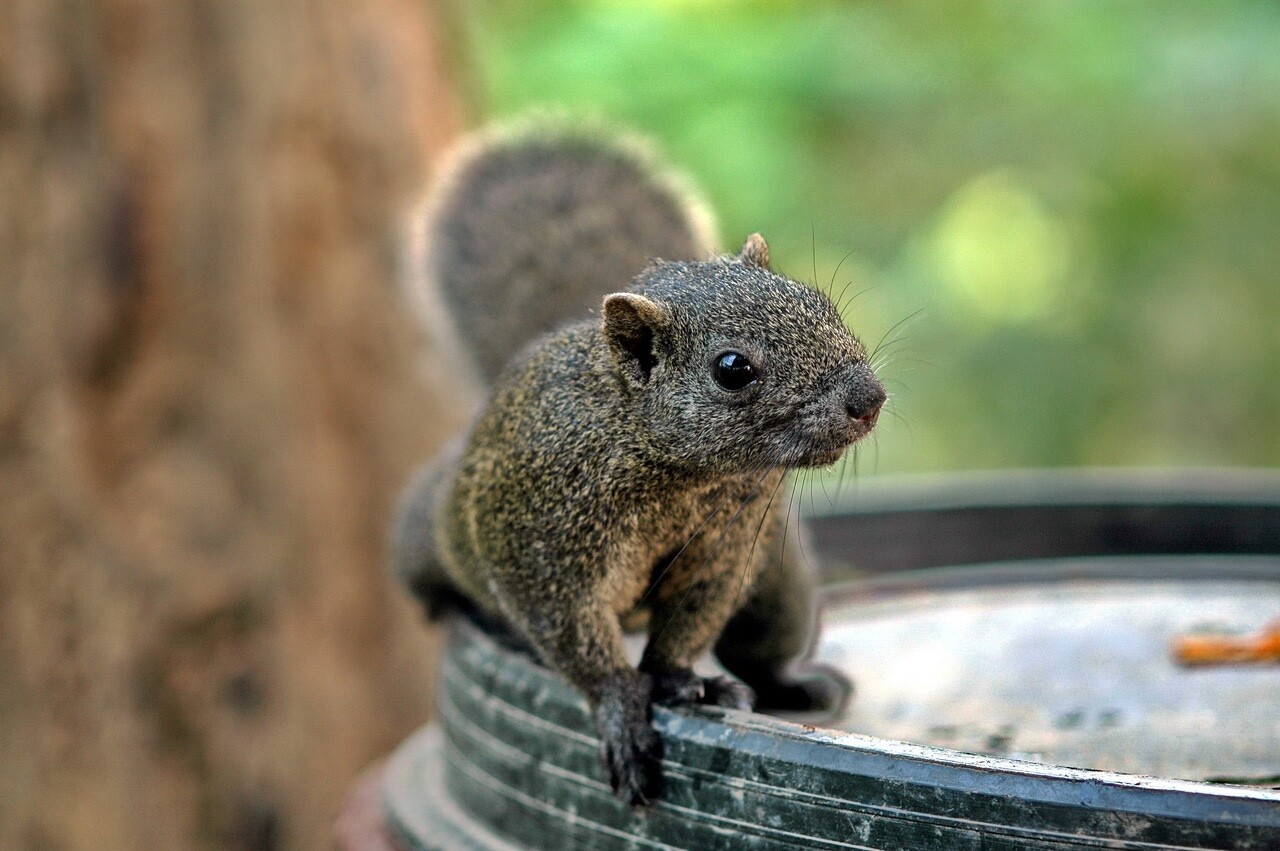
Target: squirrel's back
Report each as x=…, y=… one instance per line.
x=528, y=228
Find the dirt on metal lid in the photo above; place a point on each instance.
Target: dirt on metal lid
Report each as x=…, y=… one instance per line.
x=1067, y=661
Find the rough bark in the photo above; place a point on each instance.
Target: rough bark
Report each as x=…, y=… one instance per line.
x=209, y=396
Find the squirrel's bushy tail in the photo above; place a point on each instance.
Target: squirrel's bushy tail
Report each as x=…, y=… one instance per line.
x=530, y=227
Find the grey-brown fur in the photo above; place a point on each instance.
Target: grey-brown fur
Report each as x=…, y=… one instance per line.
x=610, y=479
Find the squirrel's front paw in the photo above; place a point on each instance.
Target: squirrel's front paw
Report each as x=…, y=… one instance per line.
x=630, y=748
x=682, y=686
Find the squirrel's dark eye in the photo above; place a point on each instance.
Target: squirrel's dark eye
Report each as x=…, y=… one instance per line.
x=733, y=371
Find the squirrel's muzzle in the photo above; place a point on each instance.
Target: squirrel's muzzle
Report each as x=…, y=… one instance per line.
x=864, y=417
x=865, y=398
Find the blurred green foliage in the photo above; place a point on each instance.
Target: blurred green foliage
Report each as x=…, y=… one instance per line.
x=1082, y=201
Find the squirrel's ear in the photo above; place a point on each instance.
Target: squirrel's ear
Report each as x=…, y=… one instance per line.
x=630, y=323
x=755, y=252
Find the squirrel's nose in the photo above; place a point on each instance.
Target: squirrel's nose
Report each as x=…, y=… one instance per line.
x=864, y=405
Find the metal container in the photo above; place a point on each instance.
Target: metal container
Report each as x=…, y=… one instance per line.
x=1009, y=636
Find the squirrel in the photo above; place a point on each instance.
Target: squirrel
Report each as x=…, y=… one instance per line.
x=627, y=470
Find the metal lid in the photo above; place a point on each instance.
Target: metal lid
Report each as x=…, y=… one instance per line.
x=1066, y=661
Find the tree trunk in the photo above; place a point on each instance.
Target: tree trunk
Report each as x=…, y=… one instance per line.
x=208, y=400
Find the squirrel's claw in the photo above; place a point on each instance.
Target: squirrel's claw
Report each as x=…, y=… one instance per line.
x=632, y=757
x=730, y=694
x=630, y=749
x=682, y=686
x=678, y=687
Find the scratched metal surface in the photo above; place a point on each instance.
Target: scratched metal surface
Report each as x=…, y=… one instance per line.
x=1068, y=667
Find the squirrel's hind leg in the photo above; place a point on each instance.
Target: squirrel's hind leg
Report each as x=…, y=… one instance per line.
x=767, y=642
x=415, y=558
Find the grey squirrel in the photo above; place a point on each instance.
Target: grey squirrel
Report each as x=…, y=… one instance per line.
x=627, y=469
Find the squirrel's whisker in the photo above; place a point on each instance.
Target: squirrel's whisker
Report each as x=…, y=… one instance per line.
x=895, y=326
x=908, y=358
x=746, y=565
x=897, y=381
x=725, y=489
x=887, y=359
x=813, y=248
x=882, y=350
x=901, y=416
x=884, y=357
x=786, y=525
x=904, y=359
x=842, y=305
x=693, y=579
x=905, y=421
x=804, y=554
x=844, y=469
x=831, y=285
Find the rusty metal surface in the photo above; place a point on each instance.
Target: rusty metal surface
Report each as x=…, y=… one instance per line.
x=1068, y=666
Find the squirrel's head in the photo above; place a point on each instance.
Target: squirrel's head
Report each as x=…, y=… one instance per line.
x=734, y=368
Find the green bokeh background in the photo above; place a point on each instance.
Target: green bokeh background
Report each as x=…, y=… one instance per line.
x=1078, y=203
